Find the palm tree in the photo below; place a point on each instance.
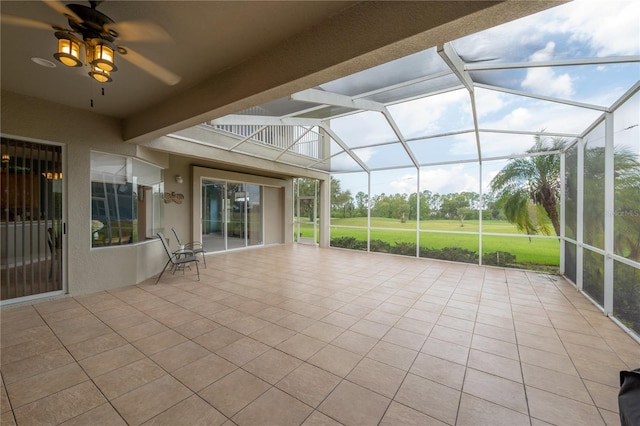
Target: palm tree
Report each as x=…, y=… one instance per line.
x=527, y=184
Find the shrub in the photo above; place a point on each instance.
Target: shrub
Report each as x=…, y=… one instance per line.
x=499, y=258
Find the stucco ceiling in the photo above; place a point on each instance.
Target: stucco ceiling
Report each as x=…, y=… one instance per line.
x=233, y=55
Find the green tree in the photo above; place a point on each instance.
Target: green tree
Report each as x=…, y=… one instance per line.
x=362, y=203
x=341, y=201
x=530, y=182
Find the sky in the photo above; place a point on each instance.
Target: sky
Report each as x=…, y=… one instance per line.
x=576, y=30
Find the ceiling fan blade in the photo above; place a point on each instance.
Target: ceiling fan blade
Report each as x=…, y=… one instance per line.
x=138, y=31
x=149, y=66
x=63, y=10
x=25, y=22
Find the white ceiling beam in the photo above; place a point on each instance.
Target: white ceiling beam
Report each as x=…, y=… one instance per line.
x=541, y=97
x=344, y=146
x=479, y=66
x=451, y=58
x=261, y=120
x=401, y=138
x=329, y=98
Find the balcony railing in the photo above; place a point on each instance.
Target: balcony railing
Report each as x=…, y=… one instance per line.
x=294, y=139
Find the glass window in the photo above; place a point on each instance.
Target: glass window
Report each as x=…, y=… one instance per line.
x=593, y=215
x=126, y=200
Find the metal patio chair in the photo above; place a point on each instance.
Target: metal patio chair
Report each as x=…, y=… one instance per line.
x=178, y=259
x=195, y=246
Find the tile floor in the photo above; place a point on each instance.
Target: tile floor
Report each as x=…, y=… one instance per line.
x=293, y=335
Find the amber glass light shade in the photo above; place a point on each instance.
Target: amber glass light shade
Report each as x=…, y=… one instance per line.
x=68, y=50
x=103, y=57
x=100, y=75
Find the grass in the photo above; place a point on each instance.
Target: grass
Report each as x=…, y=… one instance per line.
x=535, y=253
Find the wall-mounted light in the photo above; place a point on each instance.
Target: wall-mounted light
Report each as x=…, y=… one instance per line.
x=179, y=179
x=5, y=158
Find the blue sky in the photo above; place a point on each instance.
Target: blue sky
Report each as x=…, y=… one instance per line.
x=576, y=30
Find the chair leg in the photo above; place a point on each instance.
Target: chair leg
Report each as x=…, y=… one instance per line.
x=204, y=260
x=198, y=269
x=163, y=269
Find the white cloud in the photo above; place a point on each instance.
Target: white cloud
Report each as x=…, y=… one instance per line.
x=424, y=116
x=545, y=81
x=445, y=180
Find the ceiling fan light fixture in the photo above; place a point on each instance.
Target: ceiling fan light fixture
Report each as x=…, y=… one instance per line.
x=100, y=75
x=68, y=50
x=103, y=57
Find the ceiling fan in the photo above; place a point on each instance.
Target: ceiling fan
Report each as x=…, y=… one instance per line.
x=100, y=36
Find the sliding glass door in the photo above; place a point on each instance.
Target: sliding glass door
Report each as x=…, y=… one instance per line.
x=231, y=215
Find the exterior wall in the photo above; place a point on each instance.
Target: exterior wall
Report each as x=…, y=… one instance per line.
x=87, y=270
x=90, y=270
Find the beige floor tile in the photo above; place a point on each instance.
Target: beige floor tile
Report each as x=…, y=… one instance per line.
x=272, y=365
x=398, y=414
x=323, y=331
x=318, y=419
x=610, y=418
x=5, y=406
x=456, y=323
x=35, y=365
x=39, y=386
x=446, y=350
x=234, y=392
x=180, y=355
x=301, y=346
x=378, y=377
x=247, y=325
x=33, y=344
x=193, y=329
x=141, y=331
x=557, y=409
x=104, y=414
x=476, y=411
x=605, y=397
x=451, y=335
x=272, y=334
x=495, y=364
x=335, y=360
x=439, y=370
x=404, y=338
x=159, y=342
x=147, y=401
x=309, y=384
x=351, y=404
x=193, y=411
x=355, y=342
x=125, y=379
x=203, y=372
x=340, y=320
x=549, y=360
x=496, y=389
x=218, y=338
x=295, y=322
x=495, y=332
x=430, y=398
x=242, y=351
x=495, y=346
x=273, y=408
x=60, y=406
x=370, y=328
x=110, y=360
x=568, y=385
x=96, y=345
x=394, y=355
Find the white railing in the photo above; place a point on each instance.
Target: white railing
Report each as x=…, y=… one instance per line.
x=296, y=139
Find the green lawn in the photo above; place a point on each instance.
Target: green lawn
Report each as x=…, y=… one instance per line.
x=537, y=253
